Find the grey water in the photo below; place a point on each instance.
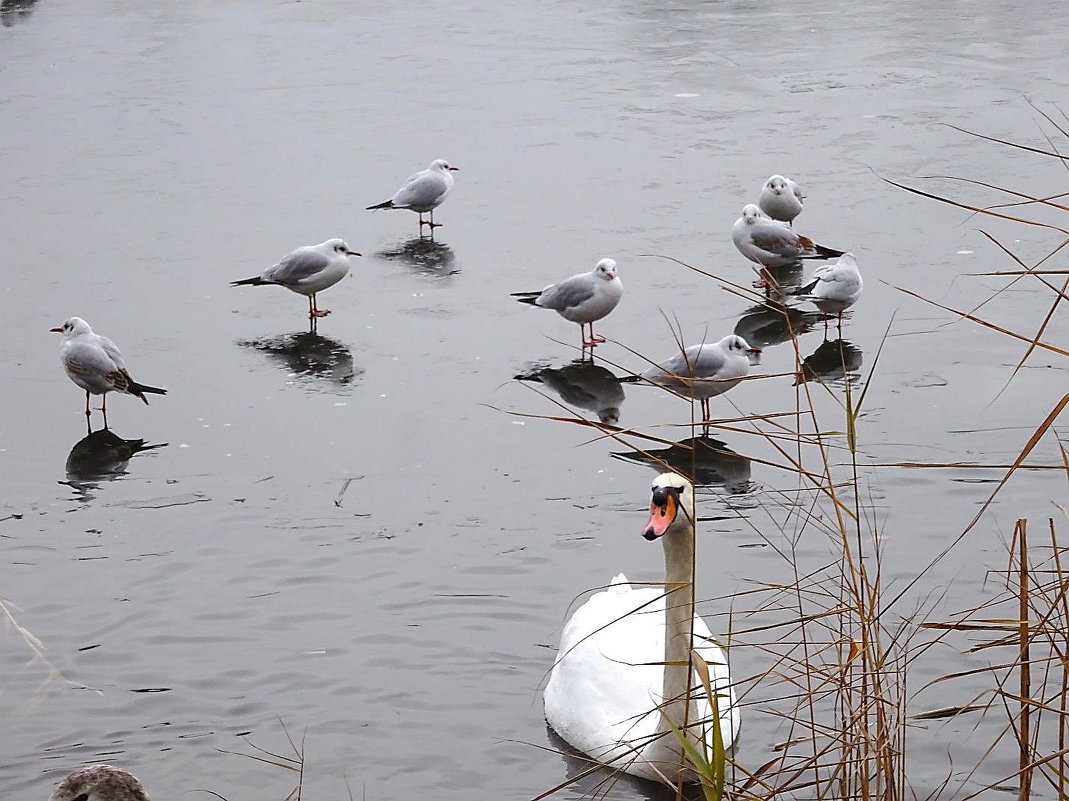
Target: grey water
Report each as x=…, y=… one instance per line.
x=360, y=534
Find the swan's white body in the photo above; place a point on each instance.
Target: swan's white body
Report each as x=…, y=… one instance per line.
x=614, y=674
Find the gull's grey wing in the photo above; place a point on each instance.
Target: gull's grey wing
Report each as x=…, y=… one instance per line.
x=422, y=189
x=576, y=291
x=697, y=361
x=837, y=282
x=775, y=239
x=297, y=267
x=797, y=190
x=91, y=367
x=112, y=350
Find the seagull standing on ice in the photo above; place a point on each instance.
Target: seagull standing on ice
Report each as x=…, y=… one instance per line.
x=582, y=299
x=96, y=365
x=781, y=199
x=423, y=192
x=704, y=371
x=835, y=287
x=771, y=243
x=308, y=270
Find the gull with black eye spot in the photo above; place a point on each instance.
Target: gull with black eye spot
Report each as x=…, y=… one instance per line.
x=704, y=371
x=781, y=199
x=95, y=364
x=584, y=298
x=100, y=783
x=423, y=192
x=771, y=243
x=307, y=271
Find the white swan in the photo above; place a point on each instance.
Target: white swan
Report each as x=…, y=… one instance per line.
x=615, y=665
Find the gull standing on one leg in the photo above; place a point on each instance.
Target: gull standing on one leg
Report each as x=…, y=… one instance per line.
x=704, y=371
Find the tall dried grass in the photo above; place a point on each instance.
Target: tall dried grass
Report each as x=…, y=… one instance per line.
x=837, y=645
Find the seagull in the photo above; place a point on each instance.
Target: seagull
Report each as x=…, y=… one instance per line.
x=96, y=365
x=583, y=298
x=423, y=192
x=781, y=199
x=308, y=270
x=835, y=287
x=771, y=243
x=100, y=783
x=704, y=371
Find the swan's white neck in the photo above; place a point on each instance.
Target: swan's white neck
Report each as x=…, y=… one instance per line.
x=678, y=709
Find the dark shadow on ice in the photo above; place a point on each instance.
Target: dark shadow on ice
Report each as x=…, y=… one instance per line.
x=836, y=361
x=768, y=324
x=707, y=462
x=584, y=385
x=101, y=456
x=309, y=355
x=12, y=11
x=780, y=280
x=424, y=254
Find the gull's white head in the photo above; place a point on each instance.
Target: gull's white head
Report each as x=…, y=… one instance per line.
x=751, y=214
x=671, y=494
x=441, y=165
x=847, y=260
x=777, y=184
x=733, y=343
x=339, y=246
x=606, y=269
x=73, y=327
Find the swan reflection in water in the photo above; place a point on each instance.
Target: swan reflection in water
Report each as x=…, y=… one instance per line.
x=584, y=385
x=309, y=355
x=609, y=784
x=101, y=456
x=836, y=361
x=704, y=461
x=12, y=11
x=771, y=323
x=423, y=254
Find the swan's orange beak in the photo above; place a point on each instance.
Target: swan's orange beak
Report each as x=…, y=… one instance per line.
x=663, y=511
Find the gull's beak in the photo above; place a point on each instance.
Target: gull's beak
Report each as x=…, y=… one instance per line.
x=754, y=351
x=454, y=169
x=56, y=330
x=352, y=253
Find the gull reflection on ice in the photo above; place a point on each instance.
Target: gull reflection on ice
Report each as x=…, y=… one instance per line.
x=836, y=361
x=309, y=355
x=424, y=254
x=583, y=385
x=101, y=456
x=705, y=461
